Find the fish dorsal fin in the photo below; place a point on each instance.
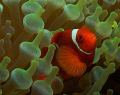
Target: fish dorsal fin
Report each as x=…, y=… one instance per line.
x=69, y=61
x=74, y=35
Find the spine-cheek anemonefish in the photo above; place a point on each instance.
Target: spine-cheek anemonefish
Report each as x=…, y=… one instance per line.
x=75, y=51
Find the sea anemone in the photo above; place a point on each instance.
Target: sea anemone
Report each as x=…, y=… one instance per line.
x=26, y=28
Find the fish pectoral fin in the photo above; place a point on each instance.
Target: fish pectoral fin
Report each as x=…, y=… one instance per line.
x=69, y=61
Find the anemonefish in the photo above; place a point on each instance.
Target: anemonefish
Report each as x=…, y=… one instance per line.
x=75, y=51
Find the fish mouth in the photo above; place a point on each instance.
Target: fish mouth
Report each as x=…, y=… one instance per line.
x=93, y=37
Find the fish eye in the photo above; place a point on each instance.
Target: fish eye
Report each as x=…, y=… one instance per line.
x=80, y=38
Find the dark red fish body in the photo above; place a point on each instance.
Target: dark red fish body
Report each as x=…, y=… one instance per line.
x=64, y=38
x=75, y=51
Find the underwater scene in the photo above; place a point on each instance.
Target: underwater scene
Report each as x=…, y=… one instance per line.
x=59, y=47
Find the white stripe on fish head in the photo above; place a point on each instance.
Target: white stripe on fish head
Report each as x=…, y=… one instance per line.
x=74, y=35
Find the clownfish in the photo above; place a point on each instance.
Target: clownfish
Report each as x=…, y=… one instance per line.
x=74, y=52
